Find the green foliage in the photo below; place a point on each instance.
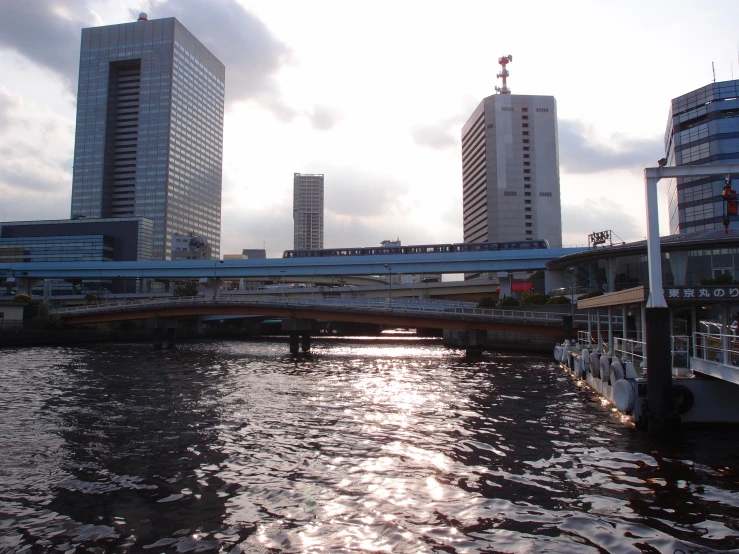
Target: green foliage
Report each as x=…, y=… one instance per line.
x=723, y=279
x=558, y=300
x=591, y=295
x=190, y=289
x=33, y=309
x=533, y=299
x=537, y=274
x=92, y=299
x=487, y=302
x=509, y=301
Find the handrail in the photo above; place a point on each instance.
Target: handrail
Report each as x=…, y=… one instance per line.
x=712, y=347
x=381, y=304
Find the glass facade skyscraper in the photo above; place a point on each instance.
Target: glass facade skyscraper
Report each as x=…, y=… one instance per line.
x=149, y=138
x=702, y=128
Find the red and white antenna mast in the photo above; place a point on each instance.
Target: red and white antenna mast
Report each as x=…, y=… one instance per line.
x=504, y=74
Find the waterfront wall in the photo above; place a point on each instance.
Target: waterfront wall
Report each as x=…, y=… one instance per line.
x=499, y=340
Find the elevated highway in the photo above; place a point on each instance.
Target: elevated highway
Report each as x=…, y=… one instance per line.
x=290, y=268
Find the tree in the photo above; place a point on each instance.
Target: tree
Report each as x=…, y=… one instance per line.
x=558, y=300
x=190, y=289
x=533, y=299
x=509, y=301
x=486, y=302
x=591, y=295
x=34, y=308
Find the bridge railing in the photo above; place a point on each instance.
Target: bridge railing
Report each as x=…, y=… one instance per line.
x=378, y=304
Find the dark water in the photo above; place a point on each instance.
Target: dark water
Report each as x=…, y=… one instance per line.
x=403, y=447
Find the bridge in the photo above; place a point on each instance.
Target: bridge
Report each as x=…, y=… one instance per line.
x=283, y=268
x=428, y=314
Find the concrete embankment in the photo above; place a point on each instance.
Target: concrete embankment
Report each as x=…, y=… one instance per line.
x=510, y=340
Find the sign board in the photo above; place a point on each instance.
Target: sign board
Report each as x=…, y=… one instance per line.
x=601, y=237
x=728, y=293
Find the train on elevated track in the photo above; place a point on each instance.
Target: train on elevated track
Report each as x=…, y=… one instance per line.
x=418, y=249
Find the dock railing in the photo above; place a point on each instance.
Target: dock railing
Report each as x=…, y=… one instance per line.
x=712, y=347
x=629, y=350
x=680, y=351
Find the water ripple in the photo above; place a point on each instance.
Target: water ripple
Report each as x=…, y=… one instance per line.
x=398, y=447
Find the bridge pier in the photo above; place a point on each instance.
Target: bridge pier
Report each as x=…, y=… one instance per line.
x=299, y=331
x=161, y=328
x=473, y=341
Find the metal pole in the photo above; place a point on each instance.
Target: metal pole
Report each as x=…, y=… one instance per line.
x=390, y=270
x=661, y=416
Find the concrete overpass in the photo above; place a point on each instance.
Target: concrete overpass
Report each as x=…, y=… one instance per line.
x=291, y=268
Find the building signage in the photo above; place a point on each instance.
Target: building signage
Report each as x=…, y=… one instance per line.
x=702, y=294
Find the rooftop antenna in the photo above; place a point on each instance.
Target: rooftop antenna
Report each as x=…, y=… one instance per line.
x=714, y=72
x=504, y=74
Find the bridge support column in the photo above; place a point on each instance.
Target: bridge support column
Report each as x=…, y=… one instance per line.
x=294, y=343
x=161, y=328
x=473, y=341
x=158, y=338
x=171, y=337
x=297, y=329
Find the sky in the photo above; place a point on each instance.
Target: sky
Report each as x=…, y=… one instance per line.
x=373, y=95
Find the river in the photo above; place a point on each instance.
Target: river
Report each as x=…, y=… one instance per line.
x=373, y=446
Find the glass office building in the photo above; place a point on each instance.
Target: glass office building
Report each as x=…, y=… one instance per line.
x=702, y=128
x=149, y=138
x=95, y=240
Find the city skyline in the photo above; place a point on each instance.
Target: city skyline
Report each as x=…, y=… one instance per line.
x=349, y=96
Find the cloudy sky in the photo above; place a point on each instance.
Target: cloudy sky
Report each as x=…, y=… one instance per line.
x=373, y=95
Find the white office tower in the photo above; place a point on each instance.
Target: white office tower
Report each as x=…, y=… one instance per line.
x=510, y=168
x=307, y=212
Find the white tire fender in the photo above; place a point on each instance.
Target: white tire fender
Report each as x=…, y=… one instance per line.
x=617, y=371
x=624, y=396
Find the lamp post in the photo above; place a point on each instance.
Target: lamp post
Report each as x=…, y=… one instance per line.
x=571, y=274
x=390, y=280
x=215, y=280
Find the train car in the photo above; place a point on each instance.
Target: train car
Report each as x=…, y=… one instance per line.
x=419, y=249
x=342, y=252
x=428, y=248
x=380, y=250
x=302, y=253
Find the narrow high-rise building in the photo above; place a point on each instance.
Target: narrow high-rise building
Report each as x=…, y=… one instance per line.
x=307, y=212
x=149, y=138
x=702, y=127
x=510, y=168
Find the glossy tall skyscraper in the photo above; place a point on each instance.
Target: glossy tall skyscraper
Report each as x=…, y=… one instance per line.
x=702, y=127
x=149, y=138
x=307, y=211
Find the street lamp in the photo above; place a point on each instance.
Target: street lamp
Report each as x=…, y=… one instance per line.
x=215, y=279
x=390, y=270
x=571, y=274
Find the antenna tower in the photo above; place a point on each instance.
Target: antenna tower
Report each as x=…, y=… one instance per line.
x=504, y=74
